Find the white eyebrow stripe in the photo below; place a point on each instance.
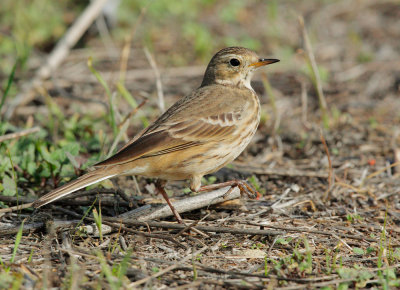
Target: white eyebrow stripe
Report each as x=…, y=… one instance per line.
x=233, y=55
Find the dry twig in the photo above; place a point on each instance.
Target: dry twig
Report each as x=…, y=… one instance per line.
x=19, y=134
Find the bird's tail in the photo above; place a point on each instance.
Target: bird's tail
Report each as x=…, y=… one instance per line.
x=83, y=181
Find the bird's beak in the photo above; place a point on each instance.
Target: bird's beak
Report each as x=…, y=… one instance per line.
x=264, y=61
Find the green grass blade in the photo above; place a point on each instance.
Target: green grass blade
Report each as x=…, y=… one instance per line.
x=9, y=83
x=83, y=217
x=107, y=272
x=98, y=221
x=17, y=242
x=127, y=95
x=123, y=266
x=108, y=92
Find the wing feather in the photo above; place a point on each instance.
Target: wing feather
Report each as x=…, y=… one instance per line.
x=182, y=127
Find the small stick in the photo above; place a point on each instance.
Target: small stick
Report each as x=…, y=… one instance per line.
x=373, y=174
x=188, y=227
x=19, y=134
x=15, y=208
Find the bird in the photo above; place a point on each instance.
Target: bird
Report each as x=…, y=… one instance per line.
x=201, y=133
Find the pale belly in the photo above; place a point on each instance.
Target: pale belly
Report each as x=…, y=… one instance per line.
x=195, y=161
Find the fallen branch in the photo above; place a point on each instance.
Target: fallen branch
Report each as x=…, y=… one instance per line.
x=58, y=54
x=183, y=205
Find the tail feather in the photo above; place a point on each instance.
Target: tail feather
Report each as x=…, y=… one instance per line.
x=83, y=181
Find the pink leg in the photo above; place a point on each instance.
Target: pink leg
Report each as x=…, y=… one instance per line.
x=160, y=188
x=244, y=187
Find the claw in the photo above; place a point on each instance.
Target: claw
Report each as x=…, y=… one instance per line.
x=243, y=186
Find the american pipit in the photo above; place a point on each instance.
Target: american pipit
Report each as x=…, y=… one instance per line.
x=198, y=135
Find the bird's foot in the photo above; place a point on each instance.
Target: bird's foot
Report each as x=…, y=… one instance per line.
x=244, y=187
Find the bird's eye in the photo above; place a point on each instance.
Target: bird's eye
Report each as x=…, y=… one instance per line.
x=234, y=62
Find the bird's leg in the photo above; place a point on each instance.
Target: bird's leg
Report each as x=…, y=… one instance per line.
x=243, y=186
x=160, y=188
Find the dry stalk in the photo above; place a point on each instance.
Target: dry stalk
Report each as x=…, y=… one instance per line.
x=161, y=102
x=127, y=46
x=304, y=105
x=314, y=67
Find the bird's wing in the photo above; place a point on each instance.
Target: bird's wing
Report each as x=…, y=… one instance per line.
x=193, y=121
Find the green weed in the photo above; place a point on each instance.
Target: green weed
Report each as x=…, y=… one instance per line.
x=98, y=220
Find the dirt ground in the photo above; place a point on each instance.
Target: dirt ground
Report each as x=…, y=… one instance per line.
x=329, y=214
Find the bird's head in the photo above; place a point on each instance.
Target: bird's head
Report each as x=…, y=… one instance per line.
x=234, y=66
